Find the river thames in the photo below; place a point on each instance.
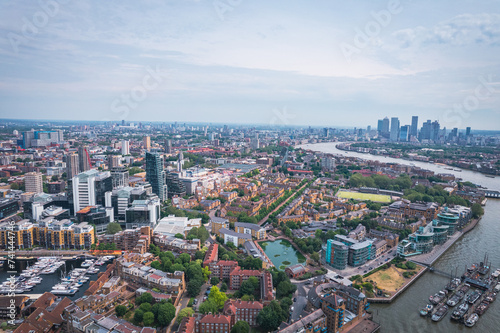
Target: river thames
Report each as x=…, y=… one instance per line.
x=402, y=315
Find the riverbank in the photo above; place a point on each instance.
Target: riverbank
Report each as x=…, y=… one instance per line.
x=430, y=258
x=400, y=290
x=457, y=168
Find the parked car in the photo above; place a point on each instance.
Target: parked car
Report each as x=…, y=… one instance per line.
x=295, y=299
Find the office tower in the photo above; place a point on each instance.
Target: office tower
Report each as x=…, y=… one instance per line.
x=33, y=182
x=434, y=135
x=125, y=147
x=326, y=132
x=414, y=126
x=385, y=127
x=114, y=161
x=180, y=160
x=467, y=131
x=155, y=175
x=146, y=142
x=168, y=146
x=89, y=188
x=175, y=185
x=255, y=143
x=425, y=132
x=72, y=166
x=380, y=125
x=368, y=129
x=404, y=133
x=119, y=176
x=394, y=129
x=83, y=159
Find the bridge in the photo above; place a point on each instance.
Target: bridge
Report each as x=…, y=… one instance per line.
x=437, y=271
x=492, y=194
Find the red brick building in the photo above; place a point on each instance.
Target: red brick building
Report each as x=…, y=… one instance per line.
x=213, y=324
x=243, y=310
x=238, y=275
x=212, y=254
x=222, y=268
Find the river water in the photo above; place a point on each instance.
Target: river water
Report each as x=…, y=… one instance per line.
x=402, y=315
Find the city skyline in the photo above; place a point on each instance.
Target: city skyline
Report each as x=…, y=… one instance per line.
x=252, y=62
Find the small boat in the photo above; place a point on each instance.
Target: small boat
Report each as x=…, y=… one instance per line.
x=489, y=176
x=64, y=291
x=460, y=312
x=440, y=313
x=456, y=298
x=454, y=283
x=481, y=309
x=87, y=263
x=438, y=297
x=425, y=311
x=472, y=320
x=491, y=297
x=474, y=297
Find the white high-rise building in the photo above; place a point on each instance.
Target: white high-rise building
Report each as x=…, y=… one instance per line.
x=33, y=182
x=125, y=147
x=84, y=189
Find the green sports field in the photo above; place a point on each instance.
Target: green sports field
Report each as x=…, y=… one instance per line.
x=364, y=196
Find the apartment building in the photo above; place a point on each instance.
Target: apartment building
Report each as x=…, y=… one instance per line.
x=48, y=233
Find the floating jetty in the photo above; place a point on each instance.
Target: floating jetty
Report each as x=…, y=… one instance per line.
x=475, y=290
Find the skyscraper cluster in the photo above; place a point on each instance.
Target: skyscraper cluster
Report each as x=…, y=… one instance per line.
x=430, y=131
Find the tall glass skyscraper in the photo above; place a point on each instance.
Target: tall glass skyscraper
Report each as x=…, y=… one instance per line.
x=155, y=175
x=414, y=126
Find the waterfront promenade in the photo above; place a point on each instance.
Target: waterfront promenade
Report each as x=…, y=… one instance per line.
x=429, y=258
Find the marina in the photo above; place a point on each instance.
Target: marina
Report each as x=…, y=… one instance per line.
x=475, y=303
x=60, y=277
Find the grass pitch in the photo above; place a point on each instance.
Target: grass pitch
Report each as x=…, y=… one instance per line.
x=364, y=196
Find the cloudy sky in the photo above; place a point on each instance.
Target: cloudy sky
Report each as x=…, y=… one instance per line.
x=288, y=62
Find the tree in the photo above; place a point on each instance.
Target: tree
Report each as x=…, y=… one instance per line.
x=240, y=327
x=218, y=297
x=209, y=306
x=214, y=281
x=113, y=228
x=138, y=316
x=270, y=317
x=166, y=313
x=179, y=235
x=315, y=256
x=144, y=298
x=223, y=287
x=285, y=288
x=185, y=258
x=186, y=312
x=477, y=210
x=249, y=286
x=121, y=310
x=194, y=287
x=206, y=273
x=148, y=319
x=145, y=307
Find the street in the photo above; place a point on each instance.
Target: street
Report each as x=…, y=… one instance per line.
x=301, y=296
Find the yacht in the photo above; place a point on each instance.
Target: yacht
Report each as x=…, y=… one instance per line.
x=88, y=263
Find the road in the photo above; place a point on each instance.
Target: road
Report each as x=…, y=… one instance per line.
x=204, y=288
x=263, y=221
x=301, y=300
